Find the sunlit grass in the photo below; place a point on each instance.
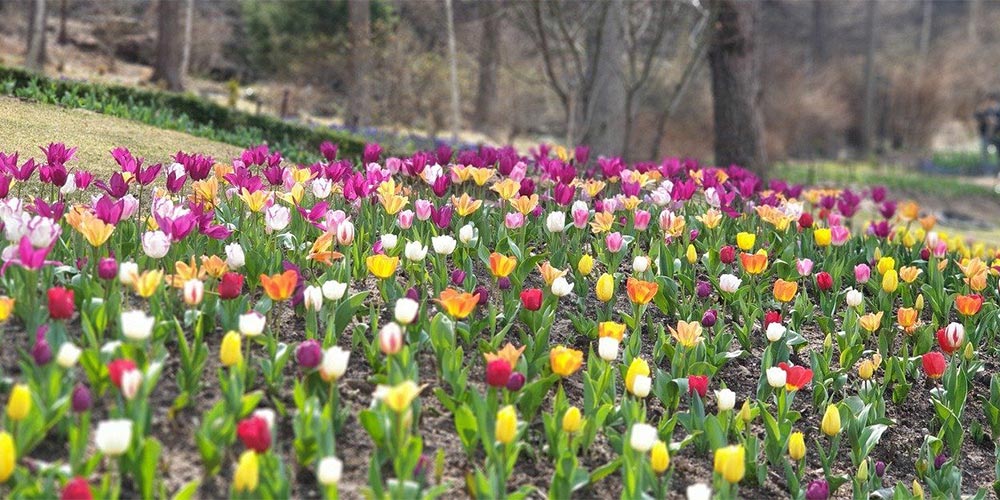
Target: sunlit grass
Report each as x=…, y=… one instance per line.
x=895, y=178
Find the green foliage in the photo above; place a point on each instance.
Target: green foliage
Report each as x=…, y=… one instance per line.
x=180, y=112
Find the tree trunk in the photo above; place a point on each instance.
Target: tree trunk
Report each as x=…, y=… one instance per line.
x=739, y=129
x=169, y=46
x=818, y=42
x=359, y=30
x=63, y=37
x=605, y=117
x=690, y=71
x=456, y=110
x=34, y=57
x=188, y=25
x=489, y=58
x=975, y=12
x=868, y=106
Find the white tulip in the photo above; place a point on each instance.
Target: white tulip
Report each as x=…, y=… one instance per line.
x=329, y=471
x=641, y=386
x=415, y=251
x=235, y=258
x=252, y=323
x=68, y=355
x=334, y=290
x=775, y=331
x=607, y=348
x=312, y=297
x=640, y=264
x=561, y=287
x=131, y=381
x=444, y=244
x=389, y=241
x=854, y=298
x=321, y=187
x=556, y=222
x=406, y=310
x=699, y=491
x=113, y=437
x=334, y=363
x=468, y=234
x=725, y=399
x=136, y=325
x=729, y=283
x=776, y=377
x=127, y=272
x=642, y=437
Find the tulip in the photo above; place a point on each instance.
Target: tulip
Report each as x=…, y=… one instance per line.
x=60, y=303
x=76, y=489
x=405, y=219
x=564, y=361
x=334, y=363
x=68, y=355
x=691, y=254
x=796, y=377
x=506, y=425
x=255, y=433
x=389, y=241
x=776, y=377
x=406, y=310
x=531, y=299
x=637, y=368
x=390, y=339
x=642, y=437
x=8, y=456
x=561, y=287
x=194, y=292
x=572, y=420
x=230, y=286
x=614, y=242
x=498, y=372
x=334, y=290
x=754, y=263
x=329, y=470
x=468, y=234
x=515, y=382
x=555, y=222
x=247, y=474
x=443, y=245
x=775, y=331
x=824, y=281
x=155, y=244
x=862, y=273
x=822, y=236
x=725, y=399
x=698, y=384
x=252, y=323
x=640, y=264
x=280, y=287
x=585, y=265
x=137, y=325
x=797, y=446
x=784, y=291
x=804, y=266
x=399, y=397
x=934, y=364
x=309, y=354
x=19, y=402
x=81, y=398
x=871, y=322
x=771, y=317
x=605, y=287
x=501, y=266
x=703, y=289
x=709, y=318
x=415, y=251
x=235, y=258
x=229, y=351
x=41, y=351
x=853, y=298
x=951, y=337
x=458, y=304
x=730, y=463
x=345, y=233
x=687, y=334
x=699, y=491
x=729, y=283
x=746, y=241
x=890, y=281
x=607, y=348
x=659, y=457
x=113, y=437
x=727, y=254
x=968, y=305
x=866, y=370
x=831, y=421
x=382, y=266
x=641, y=292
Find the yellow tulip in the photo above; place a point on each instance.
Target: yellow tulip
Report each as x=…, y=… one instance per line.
x=506, y=427
x=605, y=287
x=692, y=254
x=687, y=334
x=6, y=307
x=382, y=266
x=659, y=457
x=871, y=322
x=745, y=414
x=636, y=368
x=831, y=421
x=890, y=281
x=399, y=397
x=611, y=329
x=146, y=283
x=866, y=370
x=746, y=241
x=8, y=456
x=797, y=446
x=247, y=475
x=586, y=265
x=822, y=237
x=730, y=462
x=565, y=361
x=885, y=264
x=19, y=404
x=572, y=420
x=229, y=352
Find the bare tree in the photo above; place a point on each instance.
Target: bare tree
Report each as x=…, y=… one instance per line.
x=35, y=55
x=607, y=106
x=645, y=29
x=456, y=110
x=188, y=25
x=739, y=129
x=818, y=36
x=868, y=105
x=975, y=12
x=488, y=60
x=63, y=37
x=359, y=31
x=169, y=46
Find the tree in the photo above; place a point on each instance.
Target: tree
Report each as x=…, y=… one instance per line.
x=359, y=32
x=169, y=46
x=739, y=129
x=607, y=107
x=35, y=56
x=456, y=110
x=188, y=26
x=63, y=37
x=868, y=105
x=489, y=60
x=818, y=36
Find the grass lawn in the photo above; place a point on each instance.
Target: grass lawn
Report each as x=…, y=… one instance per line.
x=27, y=125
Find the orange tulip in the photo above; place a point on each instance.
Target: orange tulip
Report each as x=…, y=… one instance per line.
x=280, y=286
x=784, y=291
x=501, y=266
x=968, y=305
x=458, y=304
x=754, y=263
x=641, y=292
x=907, y=318
x=322, y=249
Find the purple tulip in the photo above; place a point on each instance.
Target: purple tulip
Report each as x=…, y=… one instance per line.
x=818, y=490
x=309, y=354
x=709, y=318
x=704, y=289
x=81, y=398
x=879, y=468
x=515, y=382
x=457, y=277
x=503, y=283
x=483, y=293
x=413, y=294
x=41, y=352
x=940, y=460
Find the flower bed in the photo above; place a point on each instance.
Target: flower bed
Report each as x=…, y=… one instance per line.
x=483, y=322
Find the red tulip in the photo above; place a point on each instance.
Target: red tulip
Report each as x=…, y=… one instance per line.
x=118, y=367
x=797, y=377
x=498, y=373
x=727, y=254
x=950, y=337
x=255, y=434
x=231, y=286
x=76, y=489
x=531, y=299
x=824, y=281
x=805, y=220
x=60, y=303
x=699, y=384
x=771, y=317
x=934, y=364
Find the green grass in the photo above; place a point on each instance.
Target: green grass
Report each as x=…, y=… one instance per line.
x=897, y=179
x=27, y=125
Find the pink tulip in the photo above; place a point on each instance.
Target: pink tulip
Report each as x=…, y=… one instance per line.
x=804, y=267
x=839, y=235
x=581, y=214
x=862, y=273
x=424, y=209
x=513, y=220
x=405, y=219
x=642, y=219
x=614, y=241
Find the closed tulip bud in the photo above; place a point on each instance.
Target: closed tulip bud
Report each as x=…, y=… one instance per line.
x=415, y=251
x=113, y=437
x=586, y=265
x=818, y=490
x=969, y=352
x=345, y=233
x=252, y=323
x=725, y=399
x=866, y=370
x=19, y=403
x=727, y=254
x=862, y=273
x=703, y=289
x=919, y=303
x=863, y=471
x=797, y=446
x=607, y=348
x=776, y=377
x=605, y=287
x=389, y=241
x=640, y=264
x=229, y=351
x=406, y=310
x=831, y=421
x=131, y=382
x=775, y=331
x=506, y=424
x=572, y=420
x=515, y=382
x=312, y=298
x=247, y=475
x=659, y=457
x=709, y=318
x=890, y=281
x=730, y=463
x=390, y=339
x=457, y=277
x=746, y=241
x=107, y=268
x=468, y=234
x=309, y=354
x=555, y=222
x=918, y=491
x=81, y=400
x=127, y=272
x=68, y=355
x=642, y=437
x=691, y=254
x=334, y=290
x=853, y=298
x=194, y=292
x=8, y=456
x=334, y=363
x=443, y=245
x=745, y=414
x=329, y=470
